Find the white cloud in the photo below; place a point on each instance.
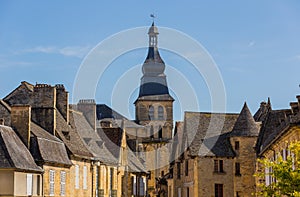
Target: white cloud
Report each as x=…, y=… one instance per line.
x=297, y=57
x=14, y=64
x=251, y=44
x=71, y=51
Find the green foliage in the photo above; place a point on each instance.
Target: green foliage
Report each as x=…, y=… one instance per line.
x=285, y=174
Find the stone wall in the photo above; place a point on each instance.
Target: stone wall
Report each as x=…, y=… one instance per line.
x=208, y=178
x=244, y=183
x=57, y=181
x=81, y=191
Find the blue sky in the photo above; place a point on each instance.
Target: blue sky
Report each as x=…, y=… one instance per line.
x=255, y=44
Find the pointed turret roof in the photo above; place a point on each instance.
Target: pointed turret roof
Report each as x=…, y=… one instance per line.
x=245, y=124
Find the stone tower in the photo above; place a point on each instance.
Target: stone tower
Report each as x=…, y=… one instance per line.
x=243, y=139
x=154, y=106
x=154, y=110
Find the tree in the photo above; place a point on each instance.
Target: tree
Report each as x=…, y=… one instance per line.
x=283, y=175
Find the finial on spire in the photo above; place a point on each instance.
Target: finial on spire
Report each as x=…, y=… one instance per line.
x=153, y=17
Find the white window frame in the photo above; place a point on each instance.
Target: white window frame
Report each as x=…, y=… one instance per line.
x=85, y=185
x=51, y=182
x=63, y=183
x=76, y=176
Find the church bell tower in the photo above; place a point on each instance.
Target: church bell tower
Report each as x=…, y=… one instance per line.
x=154, y=106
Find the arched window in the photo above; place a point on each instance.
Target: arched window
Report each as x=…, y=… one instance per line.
x=151, y=113
x=160, y=113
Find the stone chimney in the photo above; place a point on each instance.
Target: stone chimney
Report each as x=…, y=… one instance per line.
x=298, y=98
x=44, y=107
x=88, y=108
x=62, y=101
x=20, y=122
x=294, y=107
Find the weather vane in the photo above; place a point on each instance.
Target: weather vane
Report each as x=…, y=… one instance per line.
x=152, y=16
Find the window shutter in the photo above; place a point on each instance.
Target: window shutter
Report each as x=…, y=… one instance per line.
x=51, y=182
x=85, y=177
x=284, y=154
x=133, y=185
x=76, y=177
x=29, y=184
x=179, y=192
x=62, y=183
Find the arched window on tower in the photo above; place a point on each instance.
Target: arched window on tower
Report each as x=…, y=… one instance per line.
x=151, y=112
x=160, y=113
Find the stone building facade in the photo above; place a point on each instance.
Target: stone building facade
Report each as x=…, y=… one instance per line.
x=216, y=160
x=279, y=129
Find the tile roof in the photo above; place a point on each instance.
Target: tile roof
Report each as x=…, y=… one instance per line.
x=4, y=104
x=113, y=141
x=245, y=124
x=20, y=95
x=206, y=134
x=177, y=141
x=112, y=138
x=13, y=153
x=263, y=110
x=91, y=138
x=47, y=148
x=71, y=138
x=104, y=111
x=275, y=123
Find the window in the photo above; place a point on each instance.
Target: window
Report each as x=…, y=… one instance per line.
x=187, y=192
x=76, y=177
x=51, y=182
x=151, y=113
x=218, y=166
x=142, y=184
x=178, y=170
x=237, y=145
x=160, y=113
x=29, y=184
x=160, y=135
x=218, y=190
x=111, y=179
x=38, y=185
x=85, y=177
x=284, y=154
x=237, y=169
x=186, y=168
x=62, y=183
x=133, y=183
x=268, y=177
